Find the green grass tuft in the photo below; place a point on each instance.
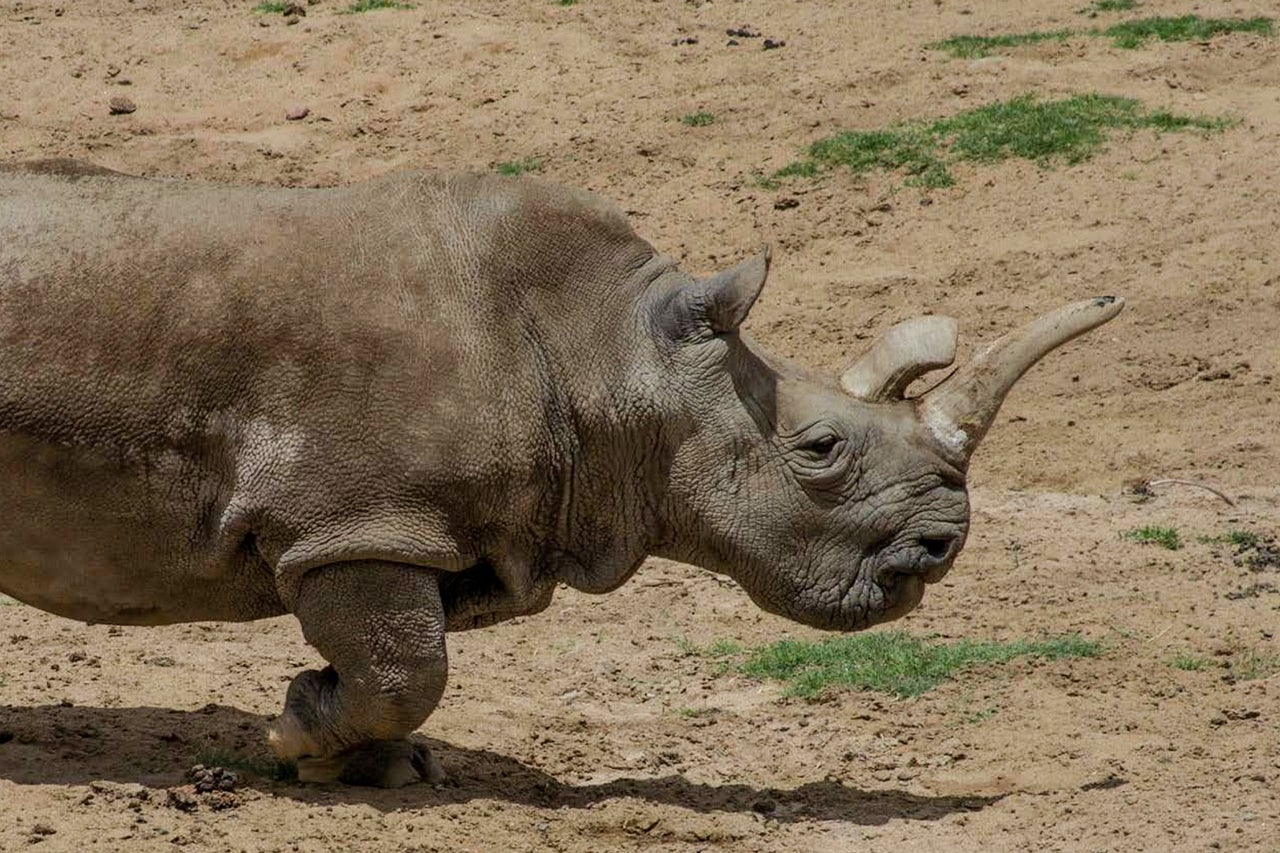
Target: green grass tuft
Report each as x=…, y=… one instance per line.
x=979, y=716
x=893, y=661
x=1188, y=662
x=722, y=649
x=6, y=601
x=514, y=168
x=698, y=119
x=566, y=2
x=974, y=47
x=263, y=768
x=1243, y=540
x=1131, y=34
x=1250, y=665
x=372, y=5
x=1165, y=537
x=1068, y=130
x=1126, y=34
x=1112, y=6
x=270, y=7
x=695, y=713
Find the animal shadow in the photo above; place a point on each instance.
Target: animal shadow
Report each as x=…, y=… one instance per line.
x=70, y=745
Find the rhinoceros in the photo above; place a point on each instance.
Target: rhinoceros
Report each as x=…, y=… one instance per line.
x=417, y=404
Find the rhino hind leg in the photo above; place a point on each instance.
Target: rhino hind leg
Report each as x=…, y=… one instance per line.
x=381, y=627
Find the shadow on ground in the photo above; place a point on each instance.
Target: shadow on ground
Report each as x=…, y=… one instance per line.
x=68, y=745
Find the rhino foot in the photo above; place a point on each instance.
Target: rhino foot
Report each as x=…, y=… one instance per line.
x=376, y=764
x=381, y=627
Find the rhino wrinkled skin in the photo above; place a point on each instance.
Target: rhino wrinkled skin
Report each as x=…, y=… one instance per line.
x=416, y=404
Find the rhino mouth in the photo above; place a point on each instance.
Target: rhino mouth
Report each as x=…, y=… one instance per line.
x=902, y=593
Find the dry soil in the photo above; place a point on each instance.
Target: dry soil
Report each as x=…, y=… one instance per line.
x=589, y=727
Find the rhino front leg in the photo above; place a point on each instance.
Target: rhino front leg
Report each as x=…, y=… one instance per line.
x=381, y=627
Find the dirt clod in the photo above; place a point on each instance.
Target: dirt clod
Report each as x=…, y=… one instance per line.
x=120, y=105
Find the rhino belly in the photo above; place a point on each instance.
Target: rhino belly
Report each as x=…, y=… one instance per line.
x=123, y=541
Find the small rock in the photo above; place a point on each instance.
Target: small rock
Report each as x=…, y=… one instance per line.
x=297, y=113
x=774, y=44
x=1241, y=713
x=121, y=106
x=180, y=800
x=209, y=779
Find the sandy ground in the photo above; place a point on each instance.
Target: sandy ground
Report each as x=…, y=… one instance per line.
x=587, y=728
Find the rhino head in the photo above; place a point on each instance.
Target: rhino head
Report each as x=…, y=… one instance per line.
x=830, y=500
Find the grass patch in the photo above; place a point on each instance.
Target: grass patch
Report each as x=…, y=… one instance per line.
x=373, y=5
x=695, y=713
x=1125, y=34
x=1131, y=34
x=1165, y=537
x=983, y=715
x=263, y=768
x=1069, y=130
x=892, y=661
x=1111, y=6
x=566, y=2
x=975, y=47
x=270, y=8
x=6, y=601
x=1250, y=666
x=698, y=119
x=514, y=168
x=1241, y=539
x=1188, y=662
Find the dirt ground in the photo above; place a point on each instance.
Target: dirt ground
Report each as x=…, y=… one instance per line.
x=588, y=728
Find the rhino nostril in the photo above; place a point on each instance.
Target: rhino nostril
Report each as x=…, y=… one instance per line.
x=936, y=547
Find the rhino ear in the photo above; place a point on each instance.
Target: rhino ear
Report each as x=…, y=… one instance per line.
x=720, y=303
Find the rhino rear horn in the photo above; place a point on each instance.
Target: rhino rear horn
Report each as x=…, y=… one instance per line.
x=960, y=410
x=906, y=352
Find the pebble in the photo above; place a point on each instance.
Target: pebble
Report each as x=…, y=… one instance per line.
x=121, y=106
x=297, y=113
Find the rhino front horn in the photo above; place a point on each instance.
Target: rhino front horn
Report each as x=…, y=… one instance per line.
x=959, y=411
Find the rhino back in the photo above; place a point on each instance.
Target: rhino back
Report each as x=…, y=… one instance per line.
x=228, y=385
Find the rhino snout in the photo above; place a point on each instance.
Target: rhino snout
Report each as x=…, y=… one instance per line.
x=926, y=555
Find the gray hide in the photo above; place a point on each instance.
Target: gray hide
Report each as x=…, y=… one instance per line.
x=417, y=404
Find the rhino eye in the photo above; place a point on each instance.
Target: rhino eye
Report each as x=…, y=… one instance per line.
x=822, y=445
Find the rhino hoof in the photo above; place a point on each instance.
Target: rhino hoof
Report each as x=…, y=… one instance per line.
x=376, y=764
